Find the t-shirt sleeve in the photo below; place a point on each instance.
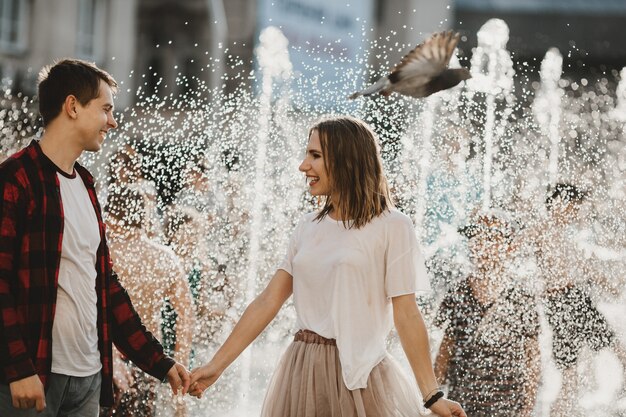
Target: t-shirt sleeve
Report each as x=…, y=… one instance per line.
x=405, y=270
x=286, y=263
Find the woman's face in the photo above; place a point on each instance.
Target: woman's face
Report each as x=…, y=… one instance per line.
x=125, y=167
x=314, y=167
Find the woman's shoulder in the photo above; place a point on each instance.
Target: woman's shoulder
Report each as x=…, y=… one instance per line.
x=309, y=217
x=395, y=218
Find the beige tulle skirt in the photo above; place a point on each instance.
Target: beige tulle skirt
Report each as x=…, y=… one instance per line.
x=308, y=383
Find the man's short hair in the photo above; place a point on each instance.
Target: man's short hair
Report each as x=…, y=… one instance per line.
x=69, y=77
x=566, y=193
x=497, y=220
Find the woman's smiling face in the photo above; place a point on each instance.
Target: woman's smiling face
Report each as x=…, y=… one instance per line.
x=314, y=167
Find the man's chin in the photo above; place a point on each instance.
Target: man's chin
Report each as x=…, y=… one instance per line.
x=93, y=148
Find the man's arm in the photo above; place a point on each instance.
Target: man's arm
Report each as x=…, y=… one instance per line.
x=132, y=338
x=26, y=387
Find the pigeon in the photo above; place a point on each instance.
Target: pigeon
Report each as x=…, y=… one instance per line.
x=423, y=71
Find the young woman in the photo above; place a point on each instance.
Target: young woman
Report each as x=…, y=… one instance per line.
x=353, y=269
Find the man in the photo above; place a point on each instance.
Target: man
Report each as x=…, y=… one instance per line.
x=151, y=273
x=489, y=356
x=61, y=305
x=566, y=277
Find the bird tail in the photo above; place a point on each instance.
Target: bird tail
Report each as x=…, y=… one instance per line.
x=379, y=85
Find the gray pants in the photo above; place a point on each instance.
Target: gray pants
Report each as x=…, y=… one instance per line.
x=66, y=396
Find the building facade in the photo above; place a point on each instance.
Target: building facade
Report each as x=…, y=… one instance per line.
x=149, y=44
x=34, y=33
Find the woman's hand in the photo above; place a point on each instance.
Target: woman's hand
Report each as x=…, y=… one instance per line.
x=202, y=378
x=447, y=408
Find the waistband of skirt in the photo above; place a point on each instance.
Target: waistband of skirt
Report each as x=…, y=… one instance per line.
x=307, y=336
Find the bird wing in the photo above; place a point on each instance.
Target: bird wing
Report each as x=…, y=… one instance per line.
x=427, y=60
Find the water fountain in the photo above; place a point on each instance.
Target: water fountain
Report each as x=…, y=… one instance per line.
x=255, y=140
x=547, y=107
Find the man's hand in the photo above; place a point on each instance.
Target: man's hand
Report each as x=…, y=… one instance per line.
x=178, y=377
x=28, y=393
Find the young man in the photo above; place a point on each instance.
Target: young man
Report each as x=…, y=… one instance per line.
x=566, y=275
x=489, y=356
x=61, y=305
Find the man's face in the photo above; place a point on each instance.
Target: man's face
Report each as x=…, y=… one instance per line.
x=95, y=119
x=491, y=244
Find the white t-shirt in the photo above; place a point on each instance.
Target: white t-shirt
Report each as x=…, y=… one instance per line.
x=74, y=331
x=343, y=281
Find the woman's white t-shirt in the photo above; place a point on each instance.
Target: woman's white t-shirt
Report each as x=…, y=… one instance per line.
x=343, y=281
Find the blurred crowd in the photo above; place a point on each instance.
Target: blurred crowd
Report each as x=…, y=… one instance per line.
x=172, y=261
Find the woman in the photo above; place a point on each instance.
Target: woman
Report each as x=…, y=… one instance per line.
x=489, y=356
x=353, y=268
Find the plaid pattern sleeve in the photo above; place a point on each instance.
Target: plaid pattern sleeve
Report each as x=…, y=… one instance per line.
x=132, y=338
x=16, y=360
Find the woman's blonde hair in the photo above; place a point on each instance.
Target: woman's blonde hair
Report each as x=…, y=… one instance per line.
x=351, y=154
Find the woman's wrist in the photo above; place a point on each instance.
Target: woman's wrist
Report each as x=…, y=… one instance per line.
x=426, y=396
x=433, y=398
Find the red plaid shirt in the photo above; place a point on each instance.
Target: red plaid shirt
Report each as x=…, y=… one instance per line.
x=31, y=232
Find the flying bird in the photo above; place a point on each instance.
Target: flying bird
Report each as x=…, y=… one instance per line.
x=423, y=71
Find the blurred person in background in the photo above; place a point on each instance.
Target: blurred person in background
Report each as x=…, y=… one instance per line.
x=489, y=356
x=567, y=277
x=125, y=170
x=151, y=273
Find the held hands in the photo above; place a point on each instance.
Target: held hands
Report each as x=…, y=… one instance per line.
x=179, y=379
x=447, y=408
x=202, y=378
x=28, y=393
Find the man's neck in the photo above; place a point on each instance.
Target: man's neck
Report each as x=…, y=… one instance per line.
x=59, y=150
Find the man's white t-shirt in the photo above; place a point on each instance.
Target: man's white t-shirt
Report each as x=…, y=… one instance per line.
x=343, y=281
x=74, y=331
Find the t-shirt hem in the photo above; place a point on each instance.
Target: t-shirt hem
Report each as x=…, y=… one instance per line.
x=80, y=374
x=364, y=385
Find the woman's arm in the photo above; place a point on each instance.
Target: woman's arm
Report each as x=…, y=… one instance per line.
x=414, y=338
x=256, y=317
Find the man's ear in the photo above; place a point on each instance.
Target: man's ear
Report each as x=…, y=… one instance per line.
x=69, y=106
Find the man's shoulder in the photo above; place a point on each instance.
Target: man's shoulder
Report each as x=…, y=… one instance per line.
x=15, y=165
